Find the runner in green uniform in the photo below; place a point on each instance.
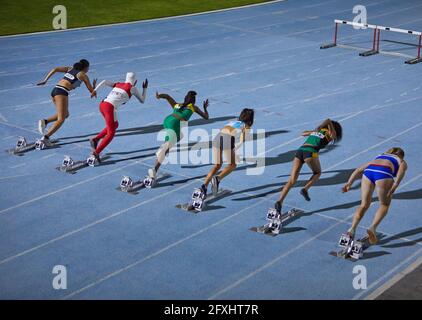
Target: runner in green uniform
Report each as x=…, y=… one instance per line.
x=181, y=112
x=328, y=131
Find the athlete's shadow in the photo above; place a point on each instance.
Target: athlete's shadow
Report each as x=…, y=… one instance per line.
x=340, y=177
x=142, y=130
x=405, y=243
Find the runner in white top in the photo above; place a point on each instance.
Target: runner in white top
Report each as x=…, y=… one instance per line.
x=121, y=94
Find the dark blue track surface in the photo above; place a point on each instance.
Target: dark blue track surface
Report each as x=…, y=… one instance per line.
x=267, y=57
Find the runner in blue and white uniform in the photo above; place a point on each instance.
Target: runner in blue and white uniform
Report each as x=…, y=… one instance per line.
x=72, y=79
x=225, y=144
x=384, y=174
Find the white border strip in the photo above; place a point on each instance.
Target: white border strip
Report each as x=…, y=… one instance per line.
x=141, y=21
x=372, y=26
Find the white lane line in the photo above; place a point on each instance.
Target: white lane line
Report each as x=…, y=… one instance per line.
x=170, y=246
x=8, y=137
x=49, y=155
x=270, y=263
x=3, y=118
x=110, y=275
x=67, y=187
x=94, y=223
x=18, y=166
x=380, y=290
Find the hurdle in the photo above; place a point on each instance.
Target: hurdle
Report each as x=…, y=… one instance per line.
x=376, y=35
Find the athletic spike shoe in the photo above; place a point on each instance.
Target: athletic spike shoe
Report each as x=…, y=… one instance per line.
x=94, y=143
x=277, y=207
x=215, y=183
x=41, y=126
x=305, y=194
x=204, y=190
x=47, y=141
x=152, y=173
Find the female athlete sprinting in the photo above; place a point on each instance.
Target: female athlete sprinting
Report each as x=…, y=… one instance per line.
x=328, y=131
x=73, y=77
x=181, y=112
x=121, y=93
x=224, y=144
x=378, y=174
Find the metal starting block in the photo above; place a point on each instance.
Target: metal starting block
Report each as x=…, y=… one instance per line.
x=21, y=143
x=352, y=249
x=91, y=161
x=40, y=145
x=67, y=162
x=126, y=183
x=345, y=240
x=357, y=250
x=149, y=182
x=276, y=221
x=198, y=200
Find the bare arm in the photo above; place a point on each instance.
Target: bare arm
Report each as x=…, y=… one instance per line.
x=137, y=94
x=83, y=77
x=328, y=124
x=51, y=73
x=204, y=114
x=400, y=176
x=103, y=83
x=169, y=99
x=355, y=175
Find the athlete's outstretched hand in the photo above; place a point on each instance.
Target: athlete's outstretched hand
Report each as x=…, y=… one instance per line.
x=145, y=84
x=41, y=83
x=346, y=187
x=206, y=104
x=93, y=94
x=157, y=95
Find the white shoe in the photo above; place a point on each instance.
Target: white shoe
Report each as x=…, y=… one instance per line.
x=151, y=173
x=41, y=126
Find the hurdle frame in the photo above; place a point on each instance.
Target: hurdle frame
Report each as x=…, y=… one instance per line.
x=376, y=38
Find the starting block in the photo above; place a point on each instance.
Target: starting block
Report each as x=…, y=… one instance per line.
x=92, y=161
x=345, y=240
x=197, y=200
x=21, y=143
x=149, y=182
x=276, y=221
x=40, y=145
x=67, y=162
x=351, y=249
x=21, y=147
x=126, y=182
x=128, y=185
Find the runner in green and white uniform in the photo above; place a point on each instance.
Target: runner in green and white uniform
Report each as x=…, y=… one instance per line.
x=328, y=131
x=181, y=112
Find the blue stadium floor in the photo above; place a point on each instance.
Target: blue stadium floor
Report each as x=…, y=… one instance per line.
x=120, y=246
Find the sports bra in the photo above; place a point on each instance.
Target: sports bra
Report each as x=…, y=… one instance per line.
x=71, y=76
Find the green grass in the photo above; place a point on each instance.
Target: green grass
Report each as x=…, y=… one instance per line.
x=23, y=16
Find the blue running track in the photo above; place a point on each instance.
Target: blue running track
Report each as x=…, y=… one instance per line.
x=120, y=246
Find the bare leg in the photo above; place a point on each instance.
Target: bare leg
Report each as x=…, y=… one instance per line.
x=61, y=103
x=383, y=186
x=230, y=167
x=367, y=189
x=219, y=160
x=297, y=166
x=315, y=166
